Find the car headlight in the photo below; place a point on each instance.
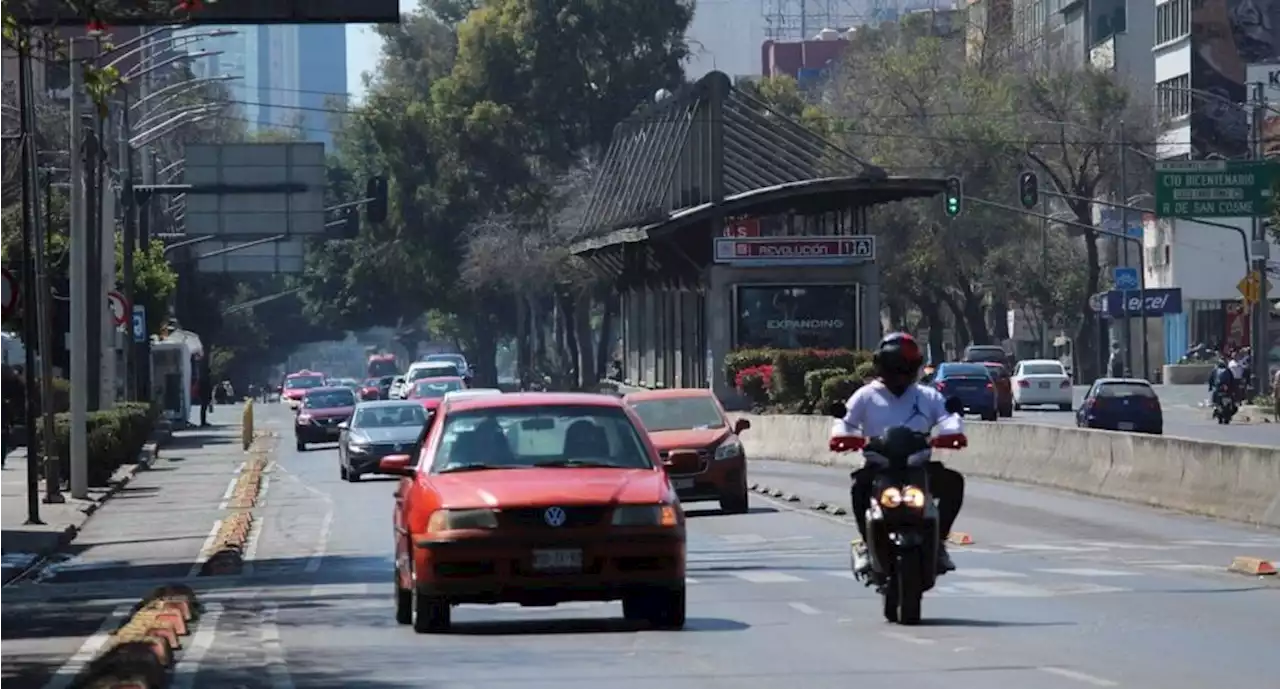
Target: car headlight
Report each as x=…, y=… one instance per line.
x=453, y=520
x=304, y=418
x=646, y=515
x=358, y=448
x=729, y=449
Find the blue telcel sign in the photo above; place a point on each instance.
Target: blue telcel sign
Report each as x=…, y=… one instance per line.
x=1136, y=304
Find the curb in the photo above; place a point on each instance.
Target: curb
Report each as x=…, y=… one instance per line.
x=248, y=484
x=784, y=496
x=140, y=652
x=226, y=555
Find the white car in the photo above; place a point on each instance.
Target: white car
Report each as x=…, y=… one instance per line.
x=397, y=388
x=430, y=369
x=470, y=393
x=1041, y=382
x=456, y=359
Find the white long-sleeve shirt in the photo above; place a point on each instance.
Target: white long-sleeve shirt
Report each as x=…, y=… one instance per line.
x=873, y=409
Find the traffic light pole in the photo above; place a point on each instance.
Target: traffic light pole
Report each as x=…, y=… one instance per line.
x=1261, y=344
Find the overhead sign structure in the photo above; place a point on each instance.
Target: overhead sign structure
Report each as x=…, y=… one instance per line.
x=1126, y=278
x=1214, y=188
x=169, y=12
x=10, y=297
x=795, y=251
x=1250, y=287
x=284, y=256
x=118, y=306
x=1149, y=303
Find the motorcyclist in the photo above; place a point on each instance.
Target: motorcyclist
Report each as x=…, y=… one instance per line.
x=1221, y=377
x=894, y=398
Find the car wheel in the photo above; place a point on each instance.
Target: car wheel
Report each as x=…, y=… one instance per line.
x=661, y=608
x=351, y=476
x=1017, y=407
x=404, y=602
x=734, y=503
x=342, y=471
x=301, y=446
x=1064, y=407
x=431, y=615
x=1006, y=412
x=990, y=416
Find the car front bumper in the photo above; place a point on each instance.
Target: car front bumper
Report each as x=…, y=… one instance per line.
x=317, y=433
x=717, y=479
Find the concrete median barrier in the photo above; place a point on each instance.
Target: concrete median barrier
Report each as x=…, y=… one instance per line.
x=1236, y=482
x=141, y=651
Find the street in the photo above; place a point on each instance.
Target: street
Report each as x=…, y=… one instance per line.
x=1057, y=592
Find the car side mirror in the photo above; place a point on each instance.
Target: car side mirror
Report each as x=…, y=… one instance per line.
x=954, y=405
x=396, y=465
x=342, y=426
x=837, y=410
x=740, y=425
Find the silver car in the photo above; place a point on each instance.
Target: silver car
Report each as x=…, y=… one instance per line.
x=378, y=429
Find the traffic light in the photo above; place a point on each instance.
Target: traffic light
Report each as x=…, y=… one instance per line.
x=951, y=201
x=376, y=191
x=1029, y=189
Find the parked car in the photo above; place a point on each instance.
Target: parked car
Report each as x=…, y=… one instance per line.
x=1121, y=404
x=1042, y=382
x=972, y=385
x=1004, y=387
x=697, y=443
x=537, y=499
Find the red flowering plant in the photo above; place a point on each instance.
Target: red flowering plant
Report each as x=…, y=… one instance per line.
x=754, y=382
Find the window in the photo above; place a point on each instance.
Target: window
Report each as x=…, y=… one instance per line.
x=303, y=382
x=1173, y=21
x=824, y=316
x=1043, y=370
x=390, y=416
x=678, y=413
x=1173, y=97
x=329, y=399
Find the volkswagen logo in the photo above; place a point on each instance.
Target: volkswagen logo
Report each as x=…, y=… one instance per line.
x=555, y=516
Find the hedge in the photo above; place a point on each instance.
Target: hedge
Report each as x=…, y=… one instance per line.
x=838, y=389
x=115, y=437
x=813, y=381
x=754, y=382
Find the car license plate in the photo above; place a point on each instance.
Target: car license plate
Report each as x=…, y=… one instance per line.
x=1125, y=426
x=1045, y=385
x=681, y=483
x=557, y=560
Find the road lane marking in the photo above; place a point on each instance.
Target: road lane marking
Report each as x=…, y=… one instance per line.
x=765, y=576
x=322, y=545
x=240, y=468
x=690, y=580
x=66, y=675
x=980, y=573
x=841, y=573
x=903, y=636
x=1087, y=572
x=326, y=590
x=206, y=549
x=273, y=650
x=226, y=494
x=251, y=545
x=804, y=608
x=1078, y=676
x=187, y=668
x=744, y=538
x=1045, y=547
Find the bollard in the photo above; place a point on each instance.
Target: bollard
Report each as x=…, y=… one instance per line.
x=246, y=425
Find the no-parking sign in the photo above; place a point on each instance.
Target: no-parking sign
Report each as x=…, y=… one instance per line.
x=10, y=297
x=119, y=307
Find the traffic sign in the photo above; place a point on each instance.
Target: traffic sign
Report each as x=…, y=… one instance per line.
x=119, y=307
x=1098, y=302
x=1250, y=287
x=1126, y=278
x=10, y=297
x=1214, y=188
x=139, y=323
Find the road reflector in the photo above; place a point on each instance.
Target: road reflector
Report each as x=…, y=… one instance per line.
x=960, y=538
x=1252, y=566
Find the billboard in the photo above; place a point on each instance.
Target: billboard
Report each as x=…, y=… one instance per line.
x=1226, y=36
x=1269, y=76
x=244, y=213
x=166, y=12
x=284, y=256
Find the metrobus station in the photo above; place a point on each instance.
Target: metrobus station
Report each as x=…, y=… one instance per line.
x=724, y=225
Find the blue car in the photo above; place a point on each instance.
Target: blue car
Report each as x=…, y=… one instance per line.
x=972, y=385
x=1121, y=404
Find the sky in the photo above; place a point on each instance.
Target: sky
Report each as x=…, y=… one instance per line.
x=363, y=48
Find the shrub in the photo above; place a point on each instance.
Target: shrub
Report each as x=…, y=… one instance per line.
x=838, y=389
x=755, y=382
x=865, y=371
x=115, y=437
x=737, y=362
x=791, y=365
x=813, y=381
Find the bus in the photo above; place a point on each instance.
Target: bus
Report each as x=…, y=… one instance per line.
x=382, y=365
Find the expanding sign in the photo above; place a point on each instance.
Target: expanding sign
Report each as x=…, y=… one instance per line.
x=10, y=298
x=1214, y=188
x=119, y=307
x=795, y=250
x=1136, y=304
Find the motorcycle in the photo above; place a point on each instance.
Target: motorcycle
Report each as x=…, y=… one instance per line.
x=902, y=518
x=1224, y=405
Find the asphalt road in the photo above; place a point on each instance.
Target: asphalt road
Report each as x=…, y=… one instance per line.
x=1183, y=418
x=1058, y=592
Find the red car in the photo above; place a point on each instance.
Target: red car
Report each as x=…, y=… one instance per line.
x=698, y=445
x=430, y=391
x=537, y=499
x=320, y=413
x=297, y=384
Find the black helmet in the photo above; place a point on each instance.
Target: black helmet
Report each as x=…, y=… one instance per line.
x=898, y=355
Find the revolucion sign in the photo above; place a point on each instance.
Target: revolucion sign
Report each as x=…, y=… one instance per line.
x=1214, y=188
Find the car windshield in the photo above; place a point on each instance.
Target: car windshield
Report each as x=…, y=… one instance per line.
x=431, y=389
x=677, y=413
x=1043, y=370
x=540, y=436
x=1125, y=390
x=439, y=370
x=304, y=382
x=963, y=371
x=346, y=383
x=455, y=359
x=329, y=399
x=984, y=354
x=390, y=416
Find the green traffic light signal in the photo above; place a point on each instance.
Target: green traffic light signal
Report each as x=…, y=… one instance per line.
x=951, y=201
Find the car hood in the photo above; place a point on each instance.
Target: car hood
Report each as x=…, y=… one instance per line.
x=428, y=403
x=332, y=413
x=513, y=488
x=294, y=394
x=394, y=434
x=687, y=438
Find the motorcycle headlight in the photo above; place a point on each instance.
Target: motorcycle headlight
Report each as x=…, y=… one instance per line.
x=913, y=497
x=891, y=497
x=729, y=449
x=453, y=520
x=646, y=515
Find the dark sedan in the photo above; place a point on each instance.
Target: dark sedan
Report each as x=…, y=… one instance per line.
x=971, y=383
x=1121, y=404
x=320, y=413
x=376, y=430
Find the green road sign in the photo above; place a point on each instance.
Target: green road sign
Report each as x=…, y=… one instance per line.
x=1214, y=188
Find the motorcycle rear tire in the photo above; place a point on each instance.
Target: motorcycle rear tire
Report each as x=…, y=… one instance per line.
x=910, y=589
x=890, y=598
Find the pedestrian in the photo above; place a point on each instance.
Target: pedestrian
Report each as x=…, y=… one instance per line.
x=205, y=391
x=1115, y=366
x=14, y=409
x=1275, y=393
